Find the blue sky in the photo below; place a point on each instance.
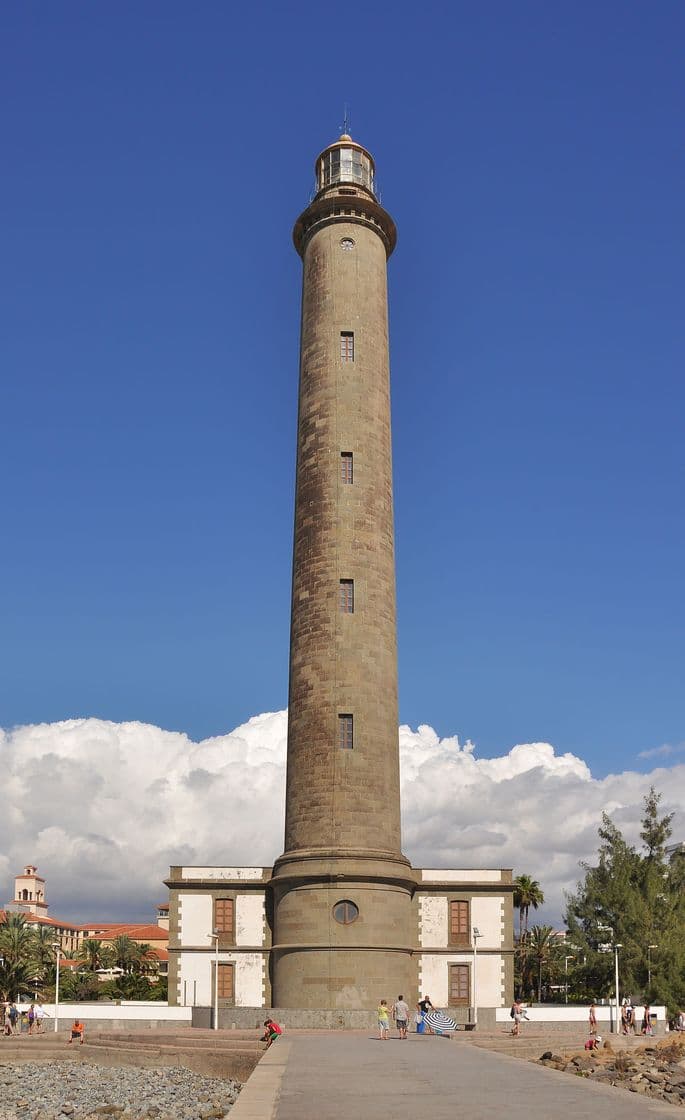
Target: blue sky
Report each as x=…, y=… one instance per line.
x=156, y=156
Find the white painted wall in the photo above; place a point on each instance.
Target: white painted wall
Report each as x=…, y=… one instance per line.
x=487, y=915
x=254, y=873
x=250, y=919
x=132, y=1012
x=434, y=977
x=249, y=980
x=562, y=1013
x=195, y=912
x=195, y=979
x=195, y=971
x=469, y=875
x=433, y=916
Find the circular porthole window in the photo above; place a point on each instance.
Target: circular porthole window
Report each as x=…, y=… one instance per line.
x=345, y=912
x=347, y=244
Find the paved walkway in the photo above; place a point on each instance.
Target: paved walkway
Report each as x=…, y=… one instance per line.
x=338, y=1075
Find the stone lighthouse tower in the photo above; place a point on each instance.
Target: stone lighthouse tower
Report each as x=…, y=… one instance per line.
x=342, y=892
x=342, y=919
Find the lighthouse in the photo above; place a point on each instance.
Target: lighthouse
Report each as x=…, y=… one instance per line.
x=342, y=890
x=341, y=919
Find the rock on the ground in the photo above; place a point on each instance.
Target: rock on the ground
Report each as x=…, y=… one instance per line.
x=65, y=1091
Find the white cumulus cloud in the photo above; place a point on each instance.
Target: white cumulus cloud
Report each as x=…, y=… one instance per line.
x=105, y=808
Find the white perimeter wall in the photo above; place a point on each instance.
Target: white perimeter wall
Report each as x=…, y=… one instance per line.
x=574, y=1014
x=132, y=1012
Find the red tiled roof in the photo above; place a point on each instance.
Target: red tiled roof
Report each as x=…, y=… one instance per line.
x=107, y=931
x=42, y=920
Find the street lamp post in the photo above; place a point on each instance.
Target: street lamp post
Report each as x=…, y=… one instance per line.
x=56, y=945
x=570, y=957
x=476, y=935
x=617, y=946
x=215, y=937
x=649, y=964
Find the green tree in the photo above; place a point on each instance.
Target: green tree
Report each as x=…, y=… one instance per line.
x=124, y=953
x=635, y=899
x=541, y=949
x=141, y=958
x=19, y=967
x=91, y=952
x=527, y=893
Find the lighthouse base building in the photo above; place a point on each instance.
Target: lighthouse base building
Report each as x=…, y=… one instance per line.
x=469, y=975
x=342, y=920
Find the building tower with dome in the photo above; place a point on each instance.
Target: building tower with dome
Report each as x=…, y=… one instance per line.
x=342, y=918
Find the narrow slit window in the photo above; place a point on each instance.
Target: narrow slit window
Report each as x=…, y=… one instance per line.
x=347, y=596
x=346, y=468
x=346, y=732
x=347, y=346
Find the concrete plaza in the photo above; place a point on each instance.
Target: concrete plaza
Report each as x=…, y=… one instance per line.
x=332, y=1076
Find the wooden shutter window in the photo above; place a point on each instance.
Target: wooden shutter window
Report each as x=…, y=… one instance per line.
x=460, y=933
x=460, y=984
x=225, y=988
x=223, y=916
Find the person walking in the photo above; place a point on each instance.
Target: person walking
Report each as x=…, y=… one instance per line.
x=40, y=1018
x=13, y=1016
x=647, y=1020
x=383, y=1020
x=401, y=1013
x=593, y=1018
x=517, y=1015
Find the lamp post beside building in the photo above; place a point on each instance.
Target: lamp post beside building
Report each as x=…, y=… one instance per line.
x=215, y=936
x=568, y=958
x=476, y=935
x=617, y=946
x=649, y=964
x=56, y=945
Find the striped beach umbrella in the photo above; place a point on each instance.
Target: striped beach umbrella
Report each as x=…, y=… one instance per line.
x=439, y=1022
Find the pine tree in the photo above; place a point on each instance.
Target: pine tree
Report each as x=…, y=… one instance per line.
x=634, y=899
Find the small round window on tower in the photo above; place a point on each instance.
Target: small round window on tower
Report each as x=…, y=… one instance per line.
x=345, y=912
x=347, y=244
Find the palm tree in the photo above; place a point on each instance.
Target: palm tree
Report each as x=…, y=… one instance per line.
x=18, y=952
x=44, y=944
x=91, y=951
x=540, y=947
x=141, y=963
x=527, y=893
x=124, y=952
